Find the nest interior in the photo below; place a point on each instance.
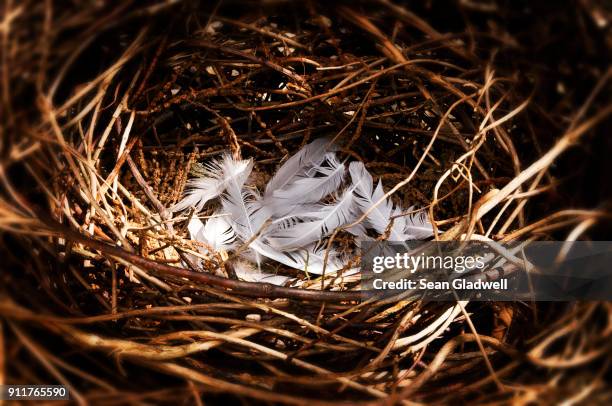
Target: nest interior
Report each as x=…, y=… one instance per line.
x=490, y=118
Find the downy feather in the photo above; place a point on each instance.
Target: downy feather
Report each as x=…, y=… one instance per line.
x=217, y=232
x=217, y=175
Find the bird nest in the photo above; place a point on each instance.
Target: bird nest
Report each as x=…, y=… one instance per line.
x=482, y=117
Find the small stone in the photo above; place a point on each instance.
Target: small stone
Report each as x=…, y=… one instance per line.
x=256, y=318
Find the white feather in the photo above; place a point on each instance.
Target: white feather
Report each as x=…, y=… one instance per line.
x=311, y=155
x=245, y=210
x=247, y=214
x=413, y=227
x=247, y=272
x=195, y=226
x=404, y=227
x=308, y=227
x=218, y=174
x=217, y=233
x=309, y=258
x=312, y=186
x=292, y=199
x=358, y=230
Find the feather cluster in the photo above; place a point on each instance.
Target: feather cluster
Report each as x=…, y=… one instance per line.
x=311, y=195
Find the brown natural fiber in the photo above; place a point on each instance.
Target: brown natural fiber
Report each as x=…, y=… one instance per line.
x=486, y=116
